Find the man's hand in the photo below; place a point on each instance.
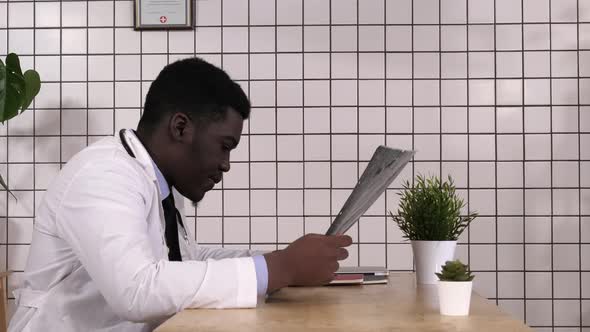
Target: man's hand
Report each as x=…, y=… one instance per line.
x=309, y=261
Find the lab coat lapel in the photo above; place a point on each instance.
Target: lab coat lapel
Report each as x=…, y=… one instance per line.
x=141, y=154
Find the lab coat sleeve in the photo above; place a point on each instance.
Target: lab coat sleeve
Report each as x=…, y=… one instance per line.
x=203, y=253
x=103, y=216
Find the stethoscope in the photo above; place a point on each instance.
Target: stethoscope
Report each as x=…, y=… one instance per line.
x=130, y=152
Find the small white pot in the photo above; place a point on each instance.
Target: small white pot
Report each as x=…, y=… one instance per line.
x=454, y=297
x=429, y=257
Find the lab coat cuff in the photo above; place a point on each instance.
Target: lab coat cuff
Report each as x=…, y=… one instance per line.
x=261, y=274
x=247, y=289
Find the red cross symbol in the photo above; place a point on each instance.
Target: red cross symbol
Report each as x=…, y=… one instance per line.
x=163, y=19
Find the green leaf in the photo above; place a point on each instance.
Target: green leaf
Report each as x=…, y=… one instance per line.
x=3, y=184
x=13, y=63
x=16, y=80
x=2, y=92
x=12, y=90
x=11, y=104
x=17, y=91
x=32, y=87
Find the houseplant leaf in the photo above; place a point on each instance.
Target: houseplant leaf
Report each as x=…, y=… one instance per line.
x=13, y=98
x=15, y=78
x=27, y=85
x=15, y=88
x=12, y=88
x=3, y=185
x=13, y=64
x=2, y=92
x=32, y=87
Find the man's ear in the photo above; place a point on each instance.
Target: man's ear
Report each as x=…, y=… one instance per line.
x=181, y=128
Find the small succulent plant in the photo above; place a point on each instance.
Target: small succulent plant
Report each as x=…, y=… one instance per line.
x=455, y=271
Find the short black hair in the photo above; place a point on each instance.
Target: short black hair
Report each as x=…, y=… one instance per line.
x=195, y=87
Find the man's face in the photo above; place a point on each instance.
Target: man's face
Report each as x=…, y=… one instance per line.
x=207, y=158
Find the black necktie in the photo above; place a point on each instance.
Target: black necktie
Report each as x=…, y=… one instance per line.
x=171, y=232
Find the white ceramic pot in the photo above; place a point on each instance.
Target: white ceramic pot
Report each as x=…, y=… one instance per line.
x=454, y=297
x=429, y=257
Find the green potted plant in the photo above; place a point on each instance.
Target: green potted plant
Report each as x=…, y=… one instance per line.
x=429, y=215
x=17, y=91
x=454, y=289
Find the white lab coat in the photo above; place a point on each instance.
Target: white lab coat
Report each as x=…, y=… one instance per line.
x=99, y=262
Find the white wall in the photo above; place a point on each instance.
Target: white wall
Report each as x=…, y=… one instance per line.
x=501, y=107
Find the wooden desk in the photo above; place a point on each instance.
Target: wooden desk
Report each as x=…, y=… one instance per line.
x=397, y=306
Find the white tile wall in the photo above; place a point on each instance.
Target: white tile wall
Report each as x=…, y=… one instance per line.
x=501, y=107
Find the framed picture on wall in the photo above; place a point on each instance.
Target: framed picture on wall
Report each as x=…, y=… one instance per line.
x=163, y=14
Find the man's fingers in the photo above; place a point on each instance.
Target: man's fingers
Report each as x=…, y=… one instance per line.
x=341, y=254
x=328, y=280
x=340, y=240
x=334, y=266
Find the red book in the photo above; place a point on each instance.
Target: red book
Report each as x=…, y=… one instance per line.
x=347, y=279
